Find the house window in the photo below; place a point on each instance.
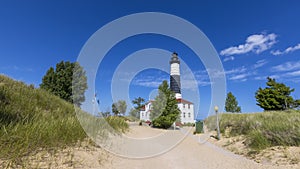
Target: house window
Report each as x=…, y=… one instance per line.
x=183, y=105
x=143, y=114
x=189, y=115
x=188, y=106
x=183, y=115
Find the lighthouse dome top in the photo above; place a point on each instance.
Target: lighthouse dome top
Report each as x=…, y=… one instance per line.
x=174, y=58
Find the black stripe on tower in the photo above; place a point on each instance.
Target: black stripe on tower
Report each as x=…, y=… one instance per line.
x=175, y=83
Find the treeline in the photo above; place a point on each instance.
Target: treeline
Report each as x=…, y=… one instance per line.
x=275, y=97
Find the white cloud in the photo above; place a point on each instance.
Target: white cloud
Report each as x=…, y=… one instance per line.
x=188, y=81
x=17, y=68
x=241, y=77
x=260, y=77
x=146, y=83
x=288, y=71
x=237, y=70
x=287, y=50
x=215, y=73
x=294, y=73
x=265, y=77
x=228, y=59
x=242, y=74
x=260, y=63
x=237, y=74
x=287, y=66
x=255, y=43
x=192, y=84
x=277, y=52
x=200, y=77
x=149, y=81
x=274, y=76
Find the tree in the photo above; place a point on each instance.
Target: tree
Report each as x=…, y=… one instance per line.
x=79, y=84
x=137, y=108
x=138, y=102
x=134, y=113
x=122, y=106
x=68, y=81
x=114, y=109
x=165, y=109
x=119, y=107
x=49, y=80
x=231, y=104
x=276, y=96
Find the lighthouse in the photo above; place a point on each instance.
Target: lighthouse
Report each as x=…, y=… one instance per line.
x=175, y=75
x=186, y=107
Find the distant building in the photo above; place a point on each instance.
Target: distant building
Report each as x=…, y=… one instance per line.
x=186, y=107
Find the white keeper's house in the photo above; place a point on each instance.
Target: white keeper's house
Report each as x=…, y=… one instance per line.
x=186, y=107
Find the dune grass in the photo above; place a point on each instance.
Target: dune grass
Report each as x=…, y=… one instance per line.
x=33, y=119
x=266, y=129
x=117, y=123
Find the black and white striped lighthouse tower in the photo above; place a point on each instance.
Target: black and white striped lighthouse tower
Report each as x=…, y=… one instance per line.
x=175, y=75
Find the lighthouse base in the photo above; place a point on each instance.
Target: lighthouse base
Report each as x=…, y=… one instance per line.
x=178, y=96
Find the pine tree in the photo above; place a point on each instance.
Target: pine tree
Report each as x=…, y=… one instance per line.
x=119, y=107
x=138, y=102
x=49, y=80
x=59, y=82
x=114, y=109
x=276, y=96
x=79, y=84
x=231, y=104
x=165, y=109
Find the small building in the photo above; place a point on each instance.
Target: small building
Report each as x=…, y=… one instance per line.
x=186, y=108
x=187, y=111
x=145, y=111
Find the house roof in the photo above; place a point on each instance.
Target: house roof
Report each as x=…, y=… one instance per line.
x=184, y=101
x=144, y=107
x=150, y=101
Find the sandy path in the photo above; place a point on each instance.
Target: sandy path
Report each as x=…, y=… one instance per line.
x=189, y=154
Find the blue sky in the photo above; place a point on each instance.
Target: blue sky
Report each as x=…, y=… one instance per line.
x=254, y=39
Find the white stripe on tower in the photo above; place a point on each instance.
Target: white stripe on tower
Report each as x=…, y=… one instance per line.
x=175, y=70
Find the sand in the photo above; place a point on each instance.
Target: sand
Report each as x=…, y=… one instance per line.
x=190, y=153
x=193, y=152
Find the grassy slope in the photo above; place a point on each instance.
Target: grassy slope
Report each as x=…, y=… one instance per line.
x=33, y=119
x=265, y=129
